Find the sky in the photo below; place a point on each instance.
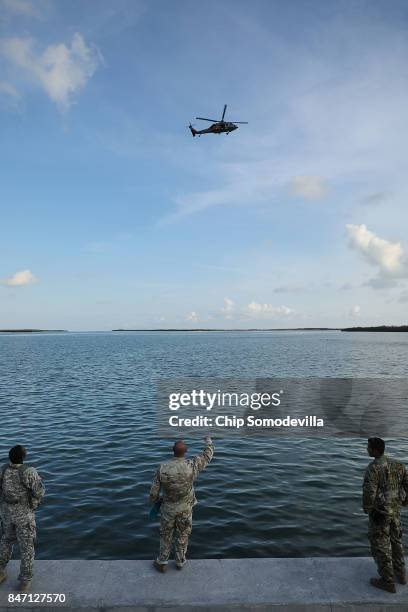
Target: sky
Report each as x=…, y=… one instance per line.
x=113, y=216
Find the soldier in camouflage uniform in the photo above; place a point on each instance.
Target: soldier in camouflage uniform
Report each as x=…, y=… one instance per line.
x=385, y=490
x=21, y=491
x=175, y=477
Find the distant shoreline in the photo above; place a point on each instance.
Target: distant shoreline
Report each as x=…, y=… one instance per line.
x=32, y=331
x=206, y=329
x=378, y=328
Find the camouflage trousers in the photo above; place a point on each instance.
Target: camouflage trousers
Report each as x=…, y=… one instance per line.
x=21, y=529
x=179, y=525
x=385, y=536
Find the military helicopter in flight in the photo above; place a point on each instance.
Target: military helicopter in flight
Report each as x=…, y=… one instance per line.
x=218, y=127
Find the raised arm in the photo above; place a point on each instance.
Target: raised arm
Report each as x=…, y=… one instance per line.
x=200, y=462
x=155, y=488
x=370, y=487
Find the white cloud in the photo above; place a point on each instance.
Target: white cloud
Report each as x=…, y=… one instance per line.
x=21, y=279
x=309, y=187
x=23, y=8
x=60, y=70
x=254, y=309
x=9, y=90
x=9, y=96
x=387, y=256
x=192, y=316
x=355, y=311
x=228, y=308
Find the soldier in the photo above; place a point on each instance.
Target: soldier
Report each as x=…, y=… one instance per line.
x=385, y=489
x=21, y=492
x=176, y=478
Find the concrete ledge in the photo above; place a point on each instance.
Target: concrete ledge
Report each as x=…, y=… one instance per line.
x=299, y=585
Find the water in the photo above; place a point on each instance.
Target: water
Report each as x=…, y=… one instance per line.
x=84, y=406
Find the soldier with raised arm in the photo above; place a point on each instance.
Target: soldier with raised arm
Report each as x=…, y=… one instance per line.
x=21, y=492
x=175, y=478
x=385, y=490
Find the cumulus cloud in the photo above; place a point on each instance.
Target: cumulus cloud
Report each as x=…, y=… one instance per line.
x=9, y=96
x=355, y=311
x=255, y=309
x=24, y=8
x=308, y=187
x=8, y=90
x=60, y=70
x=228, y=308
x=21, y=279
x=387, y=256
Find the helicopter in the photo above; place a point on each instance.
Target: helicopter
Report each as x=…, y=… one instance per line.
x=218, y=127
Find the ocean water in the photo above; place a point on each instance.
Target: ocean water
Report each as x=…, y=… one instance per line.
x=84, y=406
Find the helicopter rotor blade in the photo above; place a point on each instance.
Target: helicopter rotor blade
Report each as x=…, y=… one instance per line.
x=223, y=114
x=204, y=119
x=239, y=121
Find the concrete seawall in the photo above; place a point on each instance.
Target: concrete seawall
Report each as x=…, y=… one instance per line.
x=302, y=585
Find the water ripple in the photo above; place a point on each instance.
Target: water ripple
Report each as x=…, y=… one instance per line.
x=84, y=405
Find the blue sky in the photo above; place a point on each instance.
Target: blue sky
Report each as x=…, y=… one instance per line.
x=112, y=215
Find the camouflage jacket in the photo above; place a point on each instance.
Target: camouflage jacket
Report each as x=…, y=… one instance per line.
x=385, y=486
x=19, y=492
x=175, y=478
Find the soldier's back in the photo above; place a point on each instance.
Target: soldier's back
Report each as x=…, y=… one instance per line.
x=177, y=477
x=391, y=475
x=15, y=495
x=396, y=475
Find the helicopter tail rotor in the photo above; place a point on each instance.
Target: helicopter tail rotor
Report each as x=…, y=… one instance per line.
x=192, y=130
